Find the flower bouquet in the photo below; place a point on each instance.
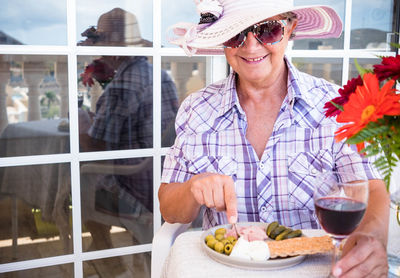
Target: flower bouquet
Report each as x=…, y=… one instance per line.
x=369, y=108
x=99, y=71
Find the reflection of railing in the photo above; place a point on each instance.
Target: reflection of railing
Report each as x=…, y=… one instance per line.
x=33, y=71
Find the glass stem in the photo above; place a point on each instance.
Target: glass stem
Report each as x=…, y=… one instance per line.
x=337, y=252
x=398, y=214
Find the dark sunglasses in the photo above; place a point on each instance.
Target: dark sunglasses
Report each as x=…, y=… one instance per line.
x=266, y=32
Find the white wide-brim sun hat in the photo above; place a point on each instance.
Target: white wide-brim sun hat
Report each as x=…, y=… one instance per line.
x=234, y=16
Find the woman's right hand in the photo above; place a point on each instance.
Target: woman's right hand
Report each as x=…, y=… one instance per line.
x=215, y=191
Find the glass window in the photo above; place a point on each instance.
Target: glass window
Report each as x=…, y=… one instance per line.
x=115, y=102
x=117, y=203
x=365, y=63
x=137, y=265
x=34, y=116
x=35, y=204
x=328, y=68
x=115, y=23
x=331, y=43
x=188, y=76
x=35, y=22
x=64, y=270
x=174, y=11
x=372, y=24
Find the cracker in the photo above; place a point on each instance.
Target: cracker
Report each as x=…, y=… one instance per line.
x=300, y=246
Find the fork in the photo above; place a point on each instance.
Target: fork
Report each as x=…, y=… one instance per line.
x=236, y=231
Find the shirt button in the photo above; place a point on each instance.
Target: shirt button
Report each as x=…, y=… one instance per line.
x=263, y=209
x=313, y=171
x=261, y=165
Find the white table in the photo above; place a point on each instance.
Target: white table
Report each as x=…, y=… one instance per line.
x=187, y=259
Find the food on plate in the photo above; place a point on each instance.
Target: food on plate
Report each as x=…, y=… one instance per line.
x=256, y=243
x=252, y=233
x=220, y=242
x=281, y=232
x=300, y=246
x=251, y=250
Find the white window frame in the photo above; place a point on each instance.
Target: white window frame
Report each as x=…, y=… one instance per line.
x=216, y=69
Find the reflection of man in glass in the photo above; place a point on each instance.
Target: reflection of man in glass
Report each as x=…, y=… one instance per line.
x=124, y=120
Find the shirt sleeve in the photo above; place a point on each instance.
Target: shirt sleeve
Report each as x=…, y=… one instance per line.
x=348, y=159
x=175, y=167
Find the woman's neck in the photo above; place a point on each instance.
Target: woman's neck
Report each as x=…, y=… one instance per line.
x=272, y=87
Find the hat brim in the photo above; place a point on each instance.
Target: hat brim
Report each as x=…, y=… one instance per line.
x=313, y=22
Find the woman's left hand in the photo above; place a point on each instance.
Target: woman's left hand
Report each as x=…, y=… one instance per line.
x=363, y=256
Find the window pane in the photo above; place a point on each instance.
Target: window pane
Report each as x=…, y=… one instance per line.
x=372, y=24
x=137, y=265
x=120, y=116
x=365, y=63
x=34, y=112
x=328, y=68
x=64, y=270
x=117, y=203
x=174, y=11
x=189, y=75
x=115, y=23
x=331, y=43
x=35, y=205
x=35, y=22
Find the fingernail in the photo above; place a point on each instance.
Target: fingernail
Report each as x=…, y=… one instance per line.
x=232, y=219
x=337, y=271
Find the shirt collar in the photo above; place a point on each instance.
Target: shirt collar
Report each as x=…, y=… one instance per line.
x=295, y=82
x=229, y=95
x=297, y=87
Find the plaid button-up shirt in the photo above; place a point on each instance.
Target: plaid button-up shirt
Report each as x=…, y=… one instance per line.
x=211, y=137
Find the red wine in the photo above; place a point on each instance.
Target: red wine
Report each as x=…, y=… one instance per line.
x=339, y=216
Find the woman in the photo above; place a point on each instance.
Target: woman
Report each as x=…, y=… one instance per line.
x=244, y=144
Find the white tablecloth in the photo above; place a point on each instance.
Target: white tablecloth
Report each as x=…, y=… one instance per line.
x=187, y=260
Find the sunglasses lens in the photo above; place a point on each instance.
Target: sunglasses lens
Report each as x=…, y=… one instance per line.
x=236, y=41
x=269, y=32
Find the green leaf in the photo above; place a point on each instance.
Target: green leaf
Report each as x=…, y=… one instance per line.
x=395, y=45
x=338, y=106
x=360, y=69
x=367, y=133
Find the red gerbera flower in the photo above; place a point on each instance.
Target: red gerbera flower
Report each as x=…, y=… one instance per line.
x=348, y=89
x=368, y=104
x=389, y=67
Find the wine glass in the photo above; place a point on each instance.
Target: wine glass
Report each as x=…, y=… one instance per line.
x=340, y=200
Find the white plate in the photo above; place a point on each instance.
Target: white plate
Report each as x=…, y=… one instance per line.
x=270, y=264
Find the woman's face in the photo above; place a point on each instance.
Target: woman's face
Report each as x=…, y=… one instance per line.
x=257, y=63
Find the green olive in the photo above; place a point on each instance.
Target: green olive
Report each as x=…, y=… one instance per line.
x=219, y=247
x=220, y=231
x=231, y=238
x=211, y=243
x=228, y=248
x=219, y=237
x=209, y=237
x=225, y=241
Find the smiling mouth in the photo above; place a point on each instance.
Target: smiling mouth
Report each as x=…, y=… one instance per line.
x=254, y=59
